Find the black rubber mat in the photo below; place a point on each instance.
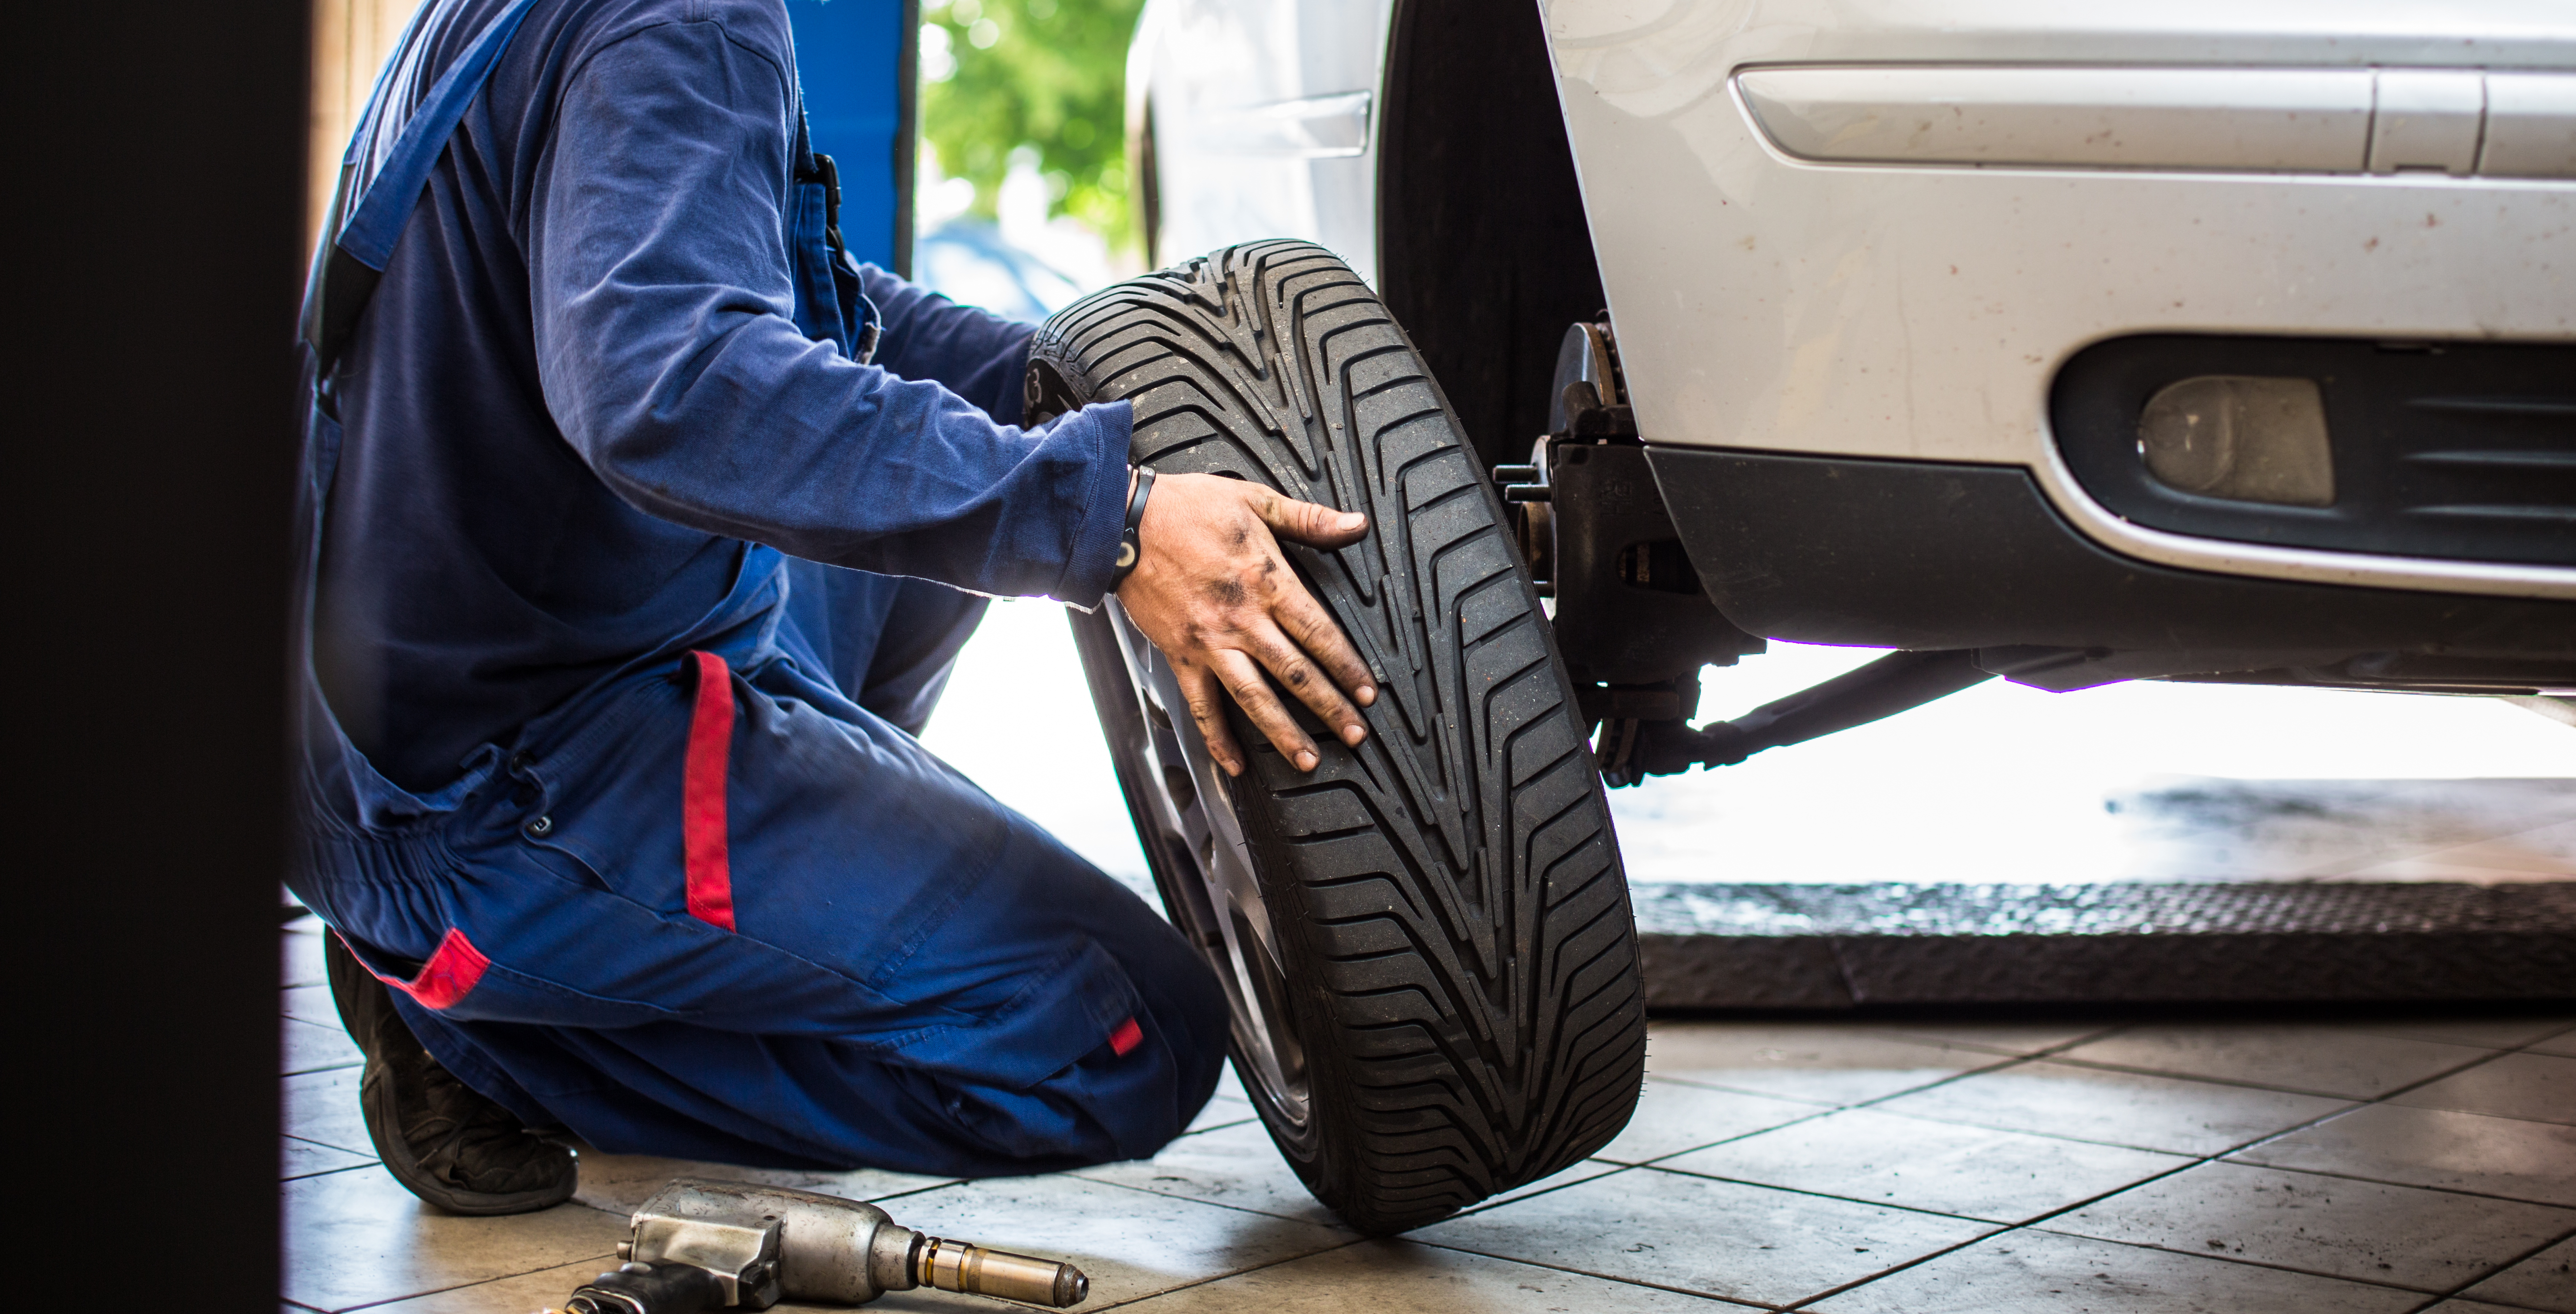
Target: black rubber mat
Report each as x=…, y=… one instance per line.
x=1850, y=946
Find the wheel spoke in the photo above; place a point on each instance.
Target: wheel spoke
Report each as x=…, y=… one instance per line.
x=1235, y=930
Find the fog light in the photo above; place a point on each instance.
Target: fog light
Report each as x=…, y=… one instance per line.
x=2241, y=438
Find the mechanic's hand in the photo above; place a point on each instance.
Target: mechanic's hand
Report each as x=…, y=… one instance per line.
x=1213, y=591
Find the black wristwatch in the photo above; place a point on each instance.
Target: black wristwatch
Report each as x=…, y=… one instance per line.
x=1130, y=550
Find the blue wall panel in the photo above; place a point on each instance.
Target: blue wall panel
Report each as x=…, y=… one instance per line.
x=855, y=58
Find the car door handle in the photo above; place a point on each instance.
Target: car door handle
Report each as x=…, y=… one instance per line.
x=2259, y=119
x=1328, y=127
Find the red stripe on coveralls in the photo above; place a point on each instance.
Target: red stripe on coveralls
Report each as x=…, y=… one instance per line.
x=448, y=976
x=708, y=859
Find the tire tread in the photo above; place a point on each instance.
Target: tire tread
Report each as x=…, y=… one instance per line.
x=1462, y=919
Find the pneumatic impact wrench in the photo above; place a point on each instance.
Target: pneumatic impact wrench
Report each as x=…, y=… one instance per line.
x=701, y=1245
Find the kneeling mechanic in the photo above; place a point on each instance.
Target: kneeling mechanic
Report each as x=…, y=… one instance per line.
x=637, y=520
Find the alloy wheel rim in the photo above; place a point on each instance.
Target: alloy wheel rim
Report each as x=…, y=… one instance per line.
x=1216, y=897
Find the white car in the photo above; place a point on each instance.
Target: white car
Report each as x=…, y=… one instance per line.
x=2069, y=343
x=2214, y=340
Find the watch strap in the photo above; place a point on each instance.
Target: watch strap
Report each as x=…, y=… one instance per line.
x=1130, y=547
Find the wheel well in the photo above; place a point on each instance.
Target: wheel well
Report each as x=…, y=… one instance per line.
x=1483, y=252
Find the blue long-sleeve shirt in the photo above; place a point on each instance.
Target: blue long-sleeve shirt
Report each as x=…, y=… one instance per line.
x=578, y=391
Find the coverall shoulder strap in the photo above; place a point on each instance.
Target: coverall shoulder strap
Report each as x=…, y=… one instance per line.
x=346, y=270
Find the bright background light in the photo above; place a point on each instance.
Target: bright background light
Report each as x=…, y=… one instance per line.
x=1996, y=784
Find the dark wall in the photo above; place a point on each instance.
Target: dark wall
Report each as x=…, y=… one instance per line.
x=1483, y=253
x=157, y=195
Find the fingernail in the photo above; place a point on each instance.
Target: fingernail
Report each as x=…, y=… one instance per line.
x=1306, y=761
x=1367, y=695
x=1353, y=733
x=1353, y=520
x=1232, y=767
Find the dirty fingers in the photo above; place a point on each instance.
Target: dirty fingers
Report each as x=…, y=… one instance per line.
x=1214, y=591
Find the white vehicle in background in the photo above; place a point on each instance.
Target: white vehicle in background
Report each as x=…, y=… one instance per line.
x=2196, y=340
x=2069, y=343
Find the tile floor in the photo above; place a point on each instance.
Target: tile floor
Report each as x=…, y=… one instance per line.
x=2411, y=1164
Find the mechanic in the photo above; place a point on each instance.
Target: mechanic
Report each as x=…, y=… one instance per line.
x=636, y=520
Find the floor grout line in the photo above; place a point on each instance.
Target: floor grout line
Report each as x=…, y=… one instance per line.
x=369, y=1152
x=2028, y=1224
x=344, y=1168
x=2001, y=1062
x=1696, y=1084
x=1848, y=1199
x=1824, y=1107
x=1916, y=1262
x=610, y=1257
x=1076, y=1175
x=1489, y=1204
x=2115, y=1145
x=1601, y=1277
x=1931, y=1041
x=2194, y=1161
x=1999, y=1229
x=2250, y=1263
x=1222, y=1277
x=2456, y=1292
x=2385, y=1097
x=1990, y=1069
x=2486, y=1056
x=2197, y=1161
x=2405, y=1186
x=1724, y=1140
x=917, y=1190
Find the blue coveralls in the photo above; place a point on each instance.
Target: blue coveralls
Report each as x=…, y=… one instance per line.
x=621, y=798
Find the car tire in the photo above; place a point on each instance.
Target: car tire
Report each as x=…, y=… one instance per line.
x=1426, y=942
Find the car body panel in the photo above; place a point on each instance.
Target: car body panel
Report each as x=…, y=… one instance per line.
x=1265, y=121
x=1920, y=312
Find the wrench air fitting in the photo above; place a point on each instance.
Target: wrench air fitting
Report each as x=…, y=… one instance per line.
x=702, y=1245
x=957, y=1266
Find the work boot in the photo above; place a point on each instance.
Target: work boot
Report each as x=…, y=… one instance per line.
x=439, y=1137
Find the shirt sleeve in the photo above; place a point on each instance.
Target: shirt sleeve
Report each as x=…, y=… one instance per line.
x=974, y=353
x=668, y=356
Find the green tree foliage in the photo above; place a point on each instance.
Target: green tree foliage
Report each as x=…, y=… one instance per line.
x=1049, y=75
